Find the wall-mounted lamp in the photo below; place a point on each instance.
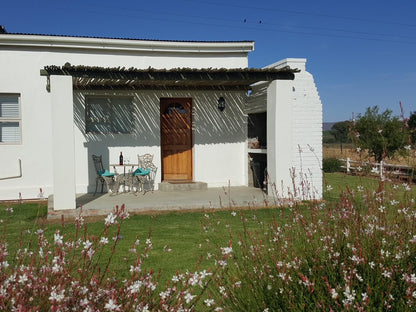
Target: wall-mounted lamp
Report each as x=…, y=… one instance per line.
x=221, y=103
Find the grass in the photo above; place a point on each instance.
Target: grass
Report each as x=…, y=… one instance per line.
x=176, y=237
x=356, y=253
x=349, y=151
x=353, y=251
x=24, y=217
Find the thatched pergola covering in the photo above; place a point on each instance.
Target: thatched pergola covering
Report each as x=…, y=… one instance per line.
x=120, y=78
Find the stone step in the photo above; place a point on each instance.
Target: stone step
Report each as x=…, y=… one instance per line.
x=182, y=186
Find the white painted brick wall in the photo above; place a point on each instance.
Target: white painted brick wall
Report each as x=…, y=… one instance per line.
x=306, y=127
x=306, y=130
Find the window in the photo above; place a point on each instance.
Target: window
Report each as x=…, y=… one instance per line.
x=175, y=107
x=10, y=120
x=109, y=115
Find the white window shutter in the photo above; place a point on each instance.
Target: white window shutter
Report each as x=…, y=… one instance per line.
x=9, y=119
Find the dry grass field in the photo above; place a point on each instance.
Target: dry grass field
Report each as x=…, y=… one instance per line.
x=334, y=150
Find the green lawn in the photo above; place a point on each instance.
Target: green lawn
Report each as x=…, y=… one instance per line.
x=176, y=237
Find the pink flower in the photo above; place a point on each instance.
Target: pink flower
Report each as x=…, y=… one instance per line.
x=58, y=238
x=110, y=219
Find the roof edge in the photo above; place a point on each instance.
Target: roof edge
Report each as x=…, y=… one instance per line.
x=299, y=63
x=52, y=41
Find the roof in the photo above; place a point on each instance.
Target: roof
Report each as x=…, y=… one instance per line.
x=98, y=78
x=123, y=44
x=4, y=31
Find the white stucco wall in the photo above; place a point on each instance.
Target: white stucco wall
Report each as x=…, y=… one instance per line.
x=22, y=57
x=219, y=137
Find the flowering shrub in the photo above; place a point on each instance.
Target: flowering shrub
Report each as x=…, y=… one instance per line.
x=60, y=273
x=357, y=254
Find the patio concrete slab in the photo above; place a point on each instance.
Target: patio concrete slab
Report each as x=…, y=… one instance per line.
x=211, y=198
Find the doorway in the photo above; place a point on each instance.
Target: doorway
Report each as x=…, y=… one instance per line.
x=176, y=139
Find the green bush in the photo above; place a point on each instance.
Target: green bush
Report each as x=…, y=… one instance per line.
x=328, y=137
x=331, y=164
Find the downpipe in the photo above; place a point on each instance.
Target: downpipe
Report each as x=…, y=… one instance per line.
x=18, y=176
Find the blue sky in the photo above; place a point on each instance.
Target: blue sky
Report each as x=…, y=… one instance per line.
x=361, y=53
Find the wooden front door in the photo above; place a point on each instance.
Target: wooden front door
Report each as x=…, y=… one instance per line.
x=176, y=138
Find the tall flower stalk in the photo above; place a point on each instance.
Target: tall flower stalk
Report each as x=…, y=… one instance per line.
x=357, y=254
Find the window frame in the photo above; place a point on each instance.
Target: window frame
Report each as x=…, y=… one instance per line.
x=110, y=101
x=17, y=119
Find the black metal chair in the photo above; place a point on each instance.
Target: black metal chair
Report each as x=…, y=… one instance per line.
x=103, y=175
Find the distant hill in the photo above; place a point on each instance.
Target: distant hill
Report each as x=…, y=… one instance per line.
x=328, y=125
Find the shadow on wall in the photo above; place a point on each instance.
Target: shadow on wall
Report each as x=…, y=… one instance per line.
x=138, y=123
x=211, y=126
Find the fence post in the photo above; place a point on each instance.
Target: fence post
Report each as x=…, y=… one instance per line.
x=381, y=168
x=348, y=165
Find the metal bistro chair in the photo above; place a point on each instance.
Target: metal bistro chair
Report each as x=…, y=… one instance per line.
x=103, y=175
x=146, y=173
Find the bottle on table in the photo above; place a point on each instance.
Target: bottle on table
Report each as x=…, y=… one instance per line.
x=121, y=158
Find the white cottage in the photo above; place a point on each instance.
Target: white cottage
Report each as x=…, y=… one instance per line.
x=64, y=99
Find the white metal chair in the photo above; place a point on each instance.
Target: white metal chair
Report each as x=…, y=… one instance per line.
x=146, y=173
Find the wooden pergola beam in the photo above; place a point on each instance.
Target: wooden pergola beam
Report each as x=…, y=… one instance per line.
x=90, y=77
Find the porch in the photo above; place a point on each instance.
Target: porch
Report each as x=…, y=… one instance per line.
x=214, y=134
x=101, y=205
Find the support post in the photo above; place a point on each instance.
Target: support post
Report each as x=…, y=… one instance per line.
x=63, y=149
x=279, y=138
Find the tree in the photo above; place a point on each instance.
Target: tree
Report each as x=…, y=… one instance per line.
x=328, y=137
x=340, y=131
x=412, y=126
x=380, y=133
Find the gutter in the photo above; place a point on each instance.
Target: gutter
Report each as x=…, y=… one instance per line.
x=125, y=44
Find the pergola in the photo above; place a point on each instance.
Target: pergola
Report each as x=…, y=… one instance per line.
x=62, y=81
x=120, y=78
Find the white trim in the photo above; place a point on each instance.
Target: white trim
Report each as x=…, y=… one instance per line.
x=125, y=44
x=293, y=63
